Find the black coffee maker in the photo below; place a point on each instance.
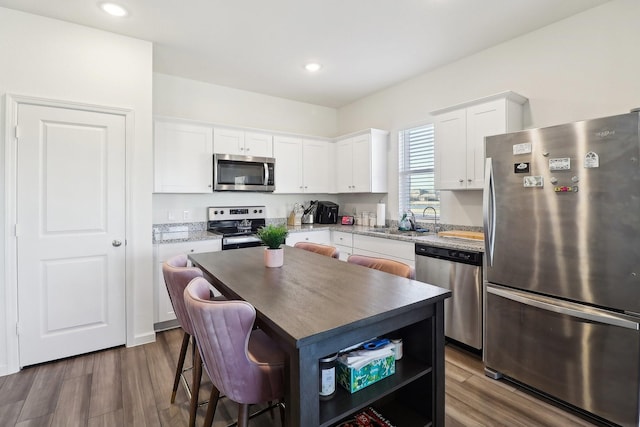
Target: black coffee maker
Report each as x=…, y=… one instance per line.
x=326, y=213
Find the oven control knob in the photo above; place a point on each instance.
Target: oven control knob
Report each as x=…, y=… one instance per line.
x=215, y=212
x=221, y=212
x=255, y=211
x=260, y=210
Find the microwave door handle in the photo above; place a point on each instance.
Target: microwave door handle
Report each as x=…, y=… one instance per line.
x=266, y=173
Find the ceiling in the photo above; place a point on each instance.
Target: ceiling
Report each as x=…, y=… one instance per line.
x=262, y=45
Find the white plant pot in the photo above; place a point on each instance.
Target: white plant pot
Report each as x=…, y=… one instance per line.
x=273, y=257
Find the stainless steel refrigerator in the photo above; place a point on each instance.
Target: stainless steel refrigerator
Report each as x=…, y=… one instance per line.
x=562, y=236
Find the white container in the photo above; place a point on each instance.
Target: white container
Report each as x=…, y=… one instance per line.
x=380, y=215
x=397, y=348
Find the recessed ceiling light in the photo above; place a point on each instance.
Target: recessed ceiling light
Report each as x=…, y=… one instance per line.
x=114, y=9
x=312, y=67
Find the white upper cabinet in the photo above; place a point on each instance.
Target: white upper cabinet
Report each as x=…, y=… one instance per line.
x=234, y=141
x=288, y=154
x=460, y=133
x=183, y=161
x=302, y=165
x=258, y=144
x=361, y=163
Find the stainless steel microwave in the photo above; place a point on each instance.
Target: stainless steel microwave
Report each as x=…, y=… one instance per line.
x=243, y=173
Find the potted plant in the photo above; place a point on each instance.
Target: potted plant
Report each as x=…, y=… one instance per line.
x=273, y=237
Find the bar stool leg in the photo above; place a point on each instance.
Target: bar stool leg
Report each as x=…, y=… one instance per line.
x=183, y=353
x=195, y=389
x=211, y=409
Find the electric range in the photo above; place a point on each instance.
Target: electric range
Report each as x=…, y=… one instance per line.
x=237, y=225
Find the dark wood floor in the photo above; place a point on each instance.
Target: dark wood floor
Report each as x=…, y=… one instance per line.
x=132, y=387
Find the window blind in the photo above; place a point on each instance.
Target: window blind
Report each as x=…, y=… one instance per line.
x=417, y=170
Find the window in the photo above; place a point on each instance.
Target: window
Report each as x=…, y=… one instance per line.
x=417, y=171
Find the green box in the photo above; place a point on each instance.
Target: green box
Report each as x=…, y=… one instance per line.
x=354, y=380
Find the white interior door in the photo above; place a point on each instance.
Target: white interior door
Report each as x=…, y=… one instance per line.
x=70, y=232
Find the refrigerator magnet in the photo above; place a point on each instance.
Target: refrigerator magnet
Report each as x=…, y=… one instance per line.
x=560, y=164
x=533, y=182
x=591, y=160
x=522, y=167
x=524, y=148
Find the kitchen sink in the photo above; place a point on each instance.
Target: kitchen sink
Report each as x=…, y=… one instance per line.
x=396, y=232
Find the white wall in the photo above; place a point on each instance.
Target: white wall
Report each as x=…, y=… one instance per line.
x=191, y=99
x=583, y=67
x=194, y=100
x=52, y=59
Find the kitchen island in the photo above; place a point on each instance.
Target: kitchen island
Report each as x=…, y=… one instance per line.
x=314, y=306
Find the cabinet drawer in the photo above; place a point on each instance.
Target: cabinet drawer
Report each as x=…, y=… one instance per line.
x=394, y=249
x=322, y=237
x=342, y=238
x=170, y=250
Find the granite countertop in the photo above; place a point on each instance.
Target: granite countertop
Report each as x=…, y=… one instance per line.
x=164, y=235
x=431, y=239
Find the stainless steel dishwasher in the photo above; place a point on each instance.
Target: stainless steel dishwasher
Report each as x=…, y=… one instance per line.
x=461, y=272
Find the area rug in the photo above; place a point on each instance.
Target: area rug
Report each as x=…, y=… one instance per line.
x=367, y=418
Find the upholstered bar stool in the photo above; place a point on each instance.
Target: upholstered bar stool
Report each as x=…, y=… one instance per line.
x=177, y=275
x=319, y=249
x=242, y=362
x=383, y=264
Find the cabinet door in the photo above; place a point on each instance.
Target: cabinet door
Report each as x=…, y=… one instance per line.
x=344, y=242
x=315, y=166
x=228, y=141
x=164, y=308
x=258, y=144
x=482, y=120
x=344, y=166
x=183, y=158
x=451, y=150
x=288, y=154
x=361, y=164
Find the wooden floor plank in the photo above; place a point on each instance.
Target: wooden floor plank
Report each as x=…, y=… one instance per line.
x=16, y=387
x=106, y=384
x=137, y=391
x=44, y=421
x=162, y=371
x=110, y=419
x=43, y=395
x=78, y=366
x=9, y=413
x=459, y=413
x=73, y=403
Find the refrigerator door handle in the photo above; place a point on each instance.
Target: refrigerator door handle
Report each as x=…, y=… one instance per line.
x=488, y=211
x=570, y=309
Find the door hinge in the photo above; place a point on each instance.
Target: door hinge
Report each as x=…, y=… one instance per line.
x=15, y=230
x=17, y=132
x=18, y=330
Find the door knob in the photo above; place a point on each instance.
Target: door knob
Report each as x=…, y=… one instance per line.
x=116, y=243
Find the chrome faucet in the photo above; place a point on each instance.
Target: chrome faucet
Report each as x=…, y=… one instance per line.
x=435, y=217
x=412, y=220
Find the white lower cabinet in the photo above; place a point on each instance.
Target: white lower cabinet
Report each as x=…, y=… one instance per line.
x=344, y=242
x=163, y=252
x=322, y=237
x=385, y=248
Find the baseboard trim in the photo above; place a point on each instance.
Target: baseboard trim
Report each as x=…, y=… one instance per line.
x=143, y=339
